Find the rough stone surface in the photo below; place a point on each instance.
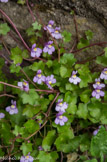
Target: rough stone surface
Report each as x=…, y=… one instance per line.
x=90, y=15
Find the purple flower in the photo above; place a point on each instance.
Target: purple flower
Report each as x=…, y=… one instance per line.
x=61, y=106
x=40, y=148
x=98, y=85
x=104, y=74
x=2, y=115
x=97, y=93
x=74, y=79
x=35, y=52
x=39, y=78
x=49, y=26
x=18, y=64
x=50, y=80
x=24, y=85
x=60, y=119
x=4, y=1
x=49, y=48
x=56, y=33
x=27, y=158
x=96, y=131
x=12, y=109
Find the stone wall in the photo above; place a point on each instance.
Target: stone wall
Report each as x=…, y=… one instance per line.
x=90, y=14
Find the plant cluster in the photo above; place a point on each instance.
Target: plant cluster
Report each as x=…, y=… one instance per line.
x=53, y=108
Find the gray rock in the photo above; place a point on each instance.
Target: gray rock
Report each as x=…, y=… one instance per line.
x=57, y=11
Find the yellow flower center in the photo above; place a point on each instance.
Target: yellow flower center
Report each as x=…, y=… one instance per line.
x=50, y=82
x=98, y=83
x=12, y=106
x=98, y=90
x=60, y=103
x=50, y=25
x=27, y=157
x=105, y=72
x=39, y=75
x=56, y=31
x=24, y=83
x=60, y=117
x=74, y=76
x=35, y=49
x=49, y=46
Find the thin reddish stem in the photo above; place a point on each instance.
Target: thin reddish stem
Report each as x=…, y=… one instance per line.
x=95, y=44
x=33, y=17
x=15, y=30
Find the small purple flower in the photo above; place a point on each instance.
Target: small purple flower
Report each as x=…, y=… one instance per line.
x=2, y=115
x=40, y=148
x=96, y=131
x=24, y=85
x=60, y=119
x=4, y=1
x=56, y=33
x=50, y=80
x=12, y=109
x=98, y=85
x=104, y=74
x=18, y=64
x=49, y=48
x=35, y=52
x=74, y=79
x=49, y=26
x=27, y=158
x=39, y=78
x=97, y=93
x=61, y=106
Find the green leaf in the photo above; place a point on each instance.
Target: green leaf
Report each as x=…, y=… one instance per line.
x=25, y=54
x=14, y=68
x=18, y=130
x=26, y=148
x=65, y=136
x=102, y=60
x=36, y=26
x=72, y=109
x=5, y=132
x=93, y=160
x=85, y=79
x=65, y=72
x=49, y=63
x=54, y=156
x=70, y=97
x=44, y=103
x=30, y=111
x=68, y=59
x=66, y=36
x=85, y=95
x=4, y=29
x=30, y=97
x=48, y=140
x=22, y=2
x=37, y=65
x=82, y=111
x=89, y=34
x=1, y=87
x=30, y=31
x=16, y=55
x=44, y=156
x=83, y=43
x=99, y=143
x=95, y=109
x=105, y=50
x=1, y=153
x=31, y=126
